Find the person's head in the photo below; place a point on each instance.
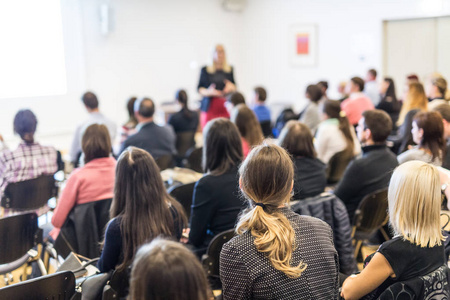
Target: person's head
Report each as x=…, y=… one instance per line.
x=167, y=270
x=412, y=78
x=144, y=109
x=387, y=88
x=371, y=75
x=428, y=132
x=323, y=85
x=332, y=110
x=260, y=94
x=182, y=98
x=266, y=181
x=313, y=93
x=222, y=146
x=90, y=101
x=415, y=99
x=219, y=55
x=96, y=142
x=297, y=139
x=342, y=88
x=219, y=60
x=233, y=100
x=356, y=84
x=414, y=198
x=247, y=123
x=444, y=110
x=374, y=127
x=141, y=201
x=438, y=88
x=130, y=109
x=25, y=123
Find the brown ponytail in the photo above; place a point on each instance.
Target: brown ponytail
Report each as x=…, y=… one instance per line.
x=332, y=109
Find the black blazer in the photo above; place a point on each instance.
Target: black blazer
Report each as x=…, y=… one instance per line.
x=156, y=140
x=310, y=178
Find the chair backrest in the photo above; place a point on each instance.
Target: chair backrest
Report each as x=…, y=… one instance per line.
x=165, y=162
x=29, y=194
x=266, y=128
x=371, y=214
x=183, y=194
x=194, y=160
x=337, y=165
x=55, y=286
x=211, y=261
x=18, y=234
x=185, y=141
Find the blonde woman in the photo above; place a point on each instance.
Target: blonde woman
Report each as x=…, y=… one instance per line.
x=277, y=254
x=417, y=249
x=247, y=123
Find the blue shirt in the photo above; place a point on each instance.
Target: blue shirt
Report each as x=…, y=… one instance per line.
x=262, y=113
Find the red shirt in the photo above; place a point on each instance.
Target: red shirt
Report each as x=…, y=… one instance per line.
x=355, y=105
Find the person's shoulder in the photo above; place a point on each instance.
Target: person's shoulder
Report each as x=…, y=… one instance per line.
x=113, y=226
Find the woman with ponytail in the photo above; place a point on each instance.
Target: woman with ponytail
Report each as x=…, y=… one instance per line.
x=277, y=254
x=335, y=133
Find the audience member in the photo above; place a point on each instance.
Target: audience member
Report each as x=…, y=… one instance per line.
x=90, y=102
x=310, y=177
x=357, y=102
x=437, y=92
x=428, y=134
x=216, y=203
x=277, y=254
x=233, y=100
x=261, y=111
x=444, y=110
x=323, y=85
x=371, y=89
x=156, y=140
x=417, y=249
x=412, y=78
x=334, y=134
x=92, y=182
x=185, y=119
x=310, y=116
x=389, y=102
x=141, y=210
x=342, y=90
x=216, y=81
x=166, y=270
x=373, y=170
x=249, y=128
x=415, y=101
x=128, y=128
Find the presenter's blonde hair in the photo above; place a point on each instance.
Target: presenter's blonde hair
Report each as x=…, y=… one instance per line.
x=212, y=67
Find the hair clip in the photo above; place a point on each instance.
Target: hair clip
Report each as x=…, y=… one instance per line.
x=342, y=114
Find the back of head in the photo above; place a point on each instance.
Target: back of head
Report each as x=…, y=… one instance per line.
x=415, y=202
x=130, y=107
x=390, y=92
x=222, y=146
x=332, y=109
x=416, y=97
x=167, y=270
x=266, y=180
x=379, y=123
x=247, y=123
x=96, y=142
x=141, y=201
x=25, y=123
x=373, y=73
x=236, y=98
x=297, y=139
x=412, y=78
x=182, y=97
x=444, y=110
x=314, y=93
x=261, y=92
x=441, y=85
x=144, y=107
x=433, y=132
x=323, y=85
x=359, y=82
x=90, y=100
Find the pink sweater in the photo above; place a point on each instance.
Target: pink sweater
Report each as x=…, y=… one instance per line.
x=355, y=106
x=93, y=182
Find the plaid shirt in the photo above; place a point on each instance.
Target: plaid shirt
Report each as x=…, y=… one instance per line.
x=28, y=161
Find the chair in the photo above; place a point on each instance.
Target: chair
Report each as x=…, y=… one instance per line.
x=183, y=194
x=185, y=141
x=337, y=165
x=194, y=160
x=19, y=234
x=210, y=260
x=29, y=194
x=83, y=229
x=118, y=286
x=56, y=286
x=370, y=217
x=266, y=128
x=164, y=162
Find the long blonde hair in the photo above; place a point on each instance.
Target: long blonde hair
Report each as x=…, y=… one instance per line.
x=415, y=203
x=266, y=178
x=212, y=67
x=415, y=99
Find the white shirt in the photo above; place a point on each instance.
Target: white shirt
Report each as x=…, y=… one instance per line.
x=371, y=90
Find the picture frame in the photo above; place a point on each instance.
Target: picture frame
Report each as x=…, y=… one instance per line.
x=303, y=45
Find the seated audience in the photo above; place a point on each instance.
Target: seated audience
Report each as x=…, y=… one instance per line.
x=334, y=134
x=234, y=100
x=30, y=160
x=261, y=111
x=323, y=85
x=167, y=270
x=185, y=119
x=389, y=102
x=216, y=203
x=444, y=110
x=156, y=140
x=414, y=101
x=310, y=116
x=90, y=102
x=437, y=92
x=372, y=171
x=92, y=182
x=250, y=130
x=371, y=89
x=128, y=128
x=417, y=249
x=141, y=210
x=310, y=177
x=277, y=254
x=357, y=102
x=428, y=134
